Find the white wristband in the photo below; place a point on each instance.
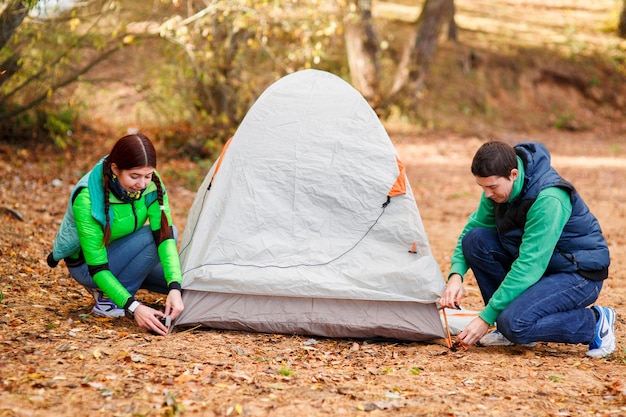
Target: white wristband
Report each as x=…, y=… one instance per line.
x=133, y=306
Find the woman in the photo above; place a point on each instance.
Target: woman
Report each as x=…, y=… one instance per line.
x=106, y=243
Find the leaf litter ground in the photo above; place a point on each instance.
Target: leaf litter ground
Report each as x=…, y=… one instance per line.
x=58, y=359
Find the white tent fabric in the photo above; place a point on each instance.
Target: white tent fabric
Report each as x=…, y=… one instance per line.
x=296, y=212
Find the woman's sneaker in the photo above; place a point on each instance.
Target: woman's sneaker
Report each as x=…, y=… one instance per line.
x=105, y=307
x=496, y=338
x=603, y=343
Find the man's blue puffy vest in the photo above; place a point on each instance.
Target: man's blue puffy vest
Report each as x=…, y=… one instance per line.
x=581, y=247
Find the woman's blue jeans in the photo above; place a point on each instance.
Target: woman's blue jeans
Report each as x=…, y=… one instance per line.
x=551, y=310
x=134, y=261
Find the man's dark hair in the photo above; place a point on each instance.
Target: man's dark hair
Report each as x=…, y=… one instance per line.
x=494, y=158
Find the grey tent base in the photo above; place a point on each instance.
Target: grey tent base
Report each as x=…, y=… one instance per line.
x=411, y=321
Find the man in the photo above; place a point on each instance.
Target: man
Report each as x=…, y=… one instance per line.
x=537, y=252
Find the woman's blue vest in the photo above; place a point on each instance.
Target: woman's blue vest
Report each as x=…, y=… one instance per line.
x=66, y=242
x=581, y=247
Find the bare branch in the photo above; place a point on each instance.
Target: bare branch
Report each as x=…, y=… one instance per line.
x=74, y=77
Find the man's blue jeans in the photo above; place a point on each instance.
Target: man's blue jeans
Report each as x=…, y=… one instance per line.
x=134, y=261
x=551, y=310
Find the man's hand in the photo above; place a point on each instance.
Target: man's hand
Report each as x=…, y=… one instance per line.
x=453, y=293
x=473, y=332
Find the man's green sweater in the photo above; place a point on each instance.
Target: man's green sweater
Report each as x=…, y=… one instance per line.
x=544, y=224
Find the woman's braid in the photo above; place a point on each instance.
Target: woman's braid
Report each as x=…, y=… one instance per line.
x=107, y=228
x=165, y=227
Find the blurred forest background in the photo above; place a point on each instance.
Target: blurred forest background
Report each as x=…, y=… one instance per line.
x=188, y=70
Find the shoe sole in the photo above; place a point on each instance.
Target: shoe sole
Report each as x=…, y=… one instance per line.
x=600, y=353
x=112, y=316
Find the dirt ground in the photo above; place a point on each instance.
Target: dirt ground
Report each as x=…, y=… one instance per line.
x=57, y=359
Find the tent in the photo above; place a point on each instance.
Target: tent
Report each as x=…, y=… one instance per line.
x=306, y=224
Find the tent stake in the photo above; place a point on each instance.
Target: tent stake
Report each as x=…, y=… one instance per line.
x=445, y=319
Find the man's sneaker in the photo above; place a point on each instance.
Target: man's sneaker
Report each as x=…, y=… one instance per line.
x=603, y=343
x=496, y=338
x=105, y=307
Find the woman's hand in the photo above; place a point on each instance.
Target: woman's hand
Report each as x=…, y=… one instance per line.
x=453, y=293
x=150, y=319
x=174, y=304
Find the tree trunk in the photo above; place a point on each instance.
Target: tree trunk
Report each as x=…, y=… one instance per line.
x=621, y=26
x=417, y=55
x=452, y=28
x=10, y=19
x=362, y=49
